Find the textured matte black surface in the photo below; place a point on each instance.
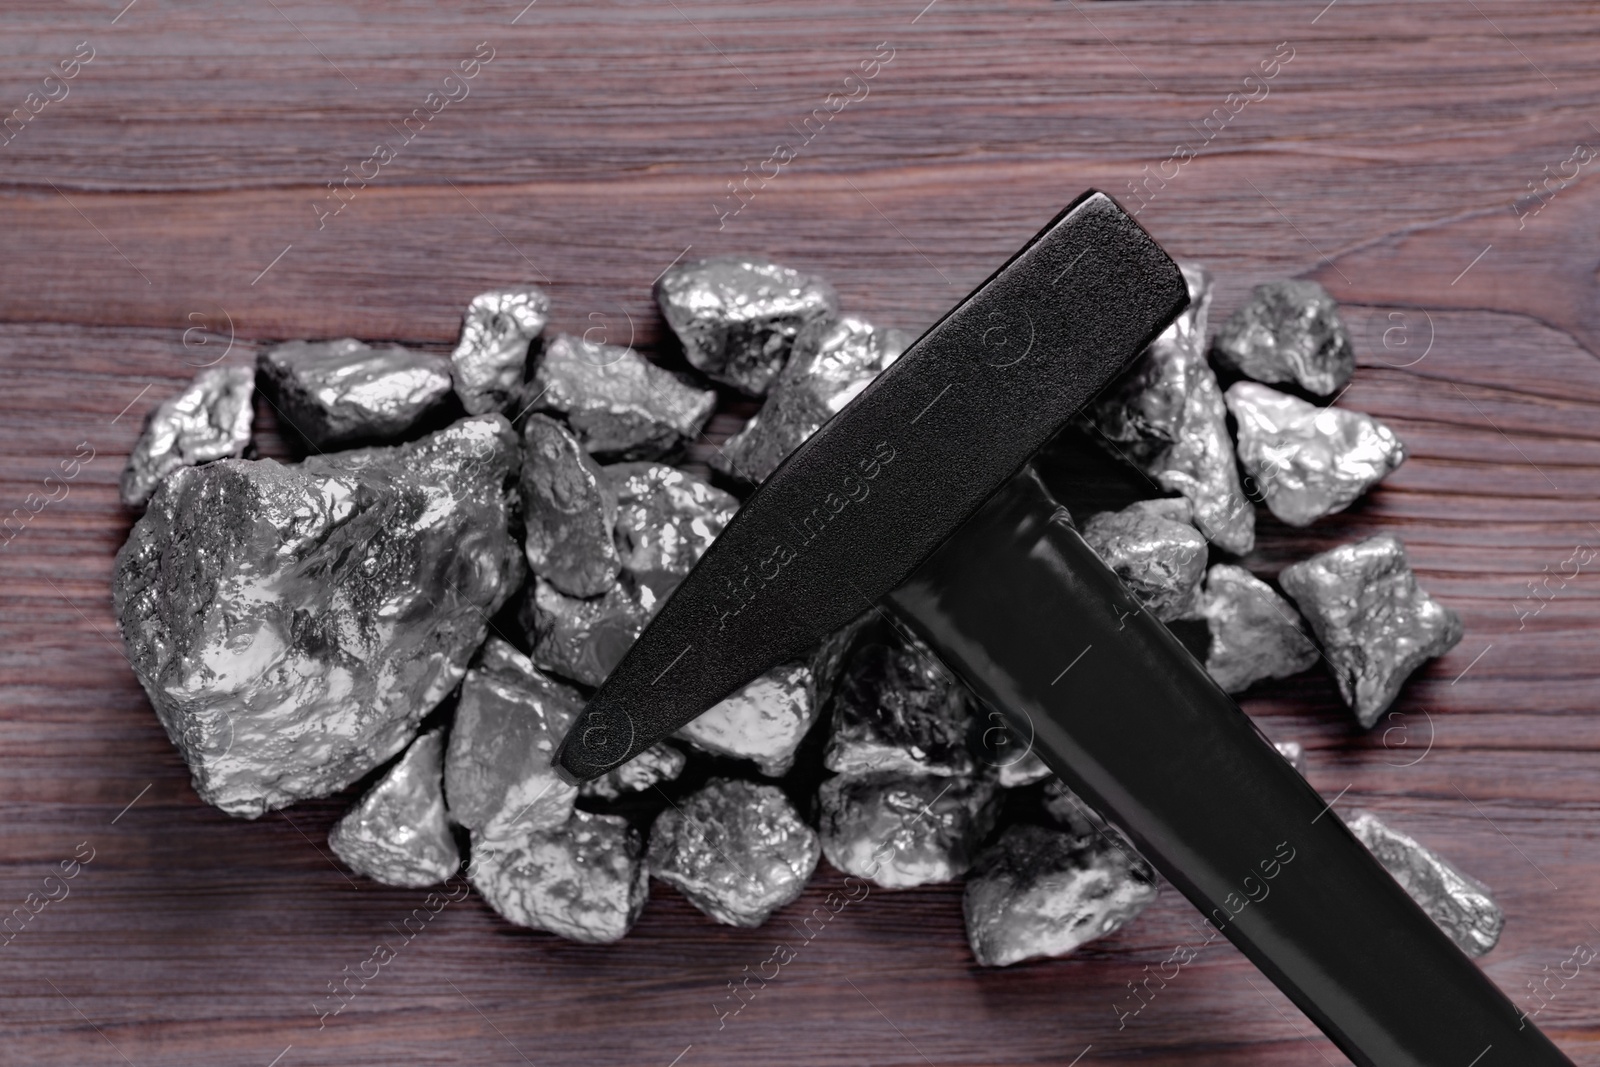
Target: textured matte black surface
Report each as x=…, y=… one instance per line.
x=1024, y=611
x=855, y=509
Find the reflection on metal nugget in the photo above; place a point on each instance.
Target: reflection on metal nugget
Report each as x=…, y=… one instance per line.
x=398, y=833
x=208, y=420
x=738, y=316
x=1375, y=623
x=491, y=356
x=737, y=850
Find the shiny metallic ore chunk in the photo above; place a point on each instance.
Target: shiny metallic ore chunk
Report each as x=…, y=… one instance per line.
x=335, y=393
x=1158, y=555
x=1309, y=461
x=896, y=708
x=585, y=880
x=738, y=316
x=1165, y=416
x=1288, y=331
x=737, y=850
x=498, y=774
x=492, y=353
x=398, y=833
x=1023, y=770
x=293, y=623
x=1294, y=752
x=665, y=519
x=1255, y=633
x=1459, y=903
x=581, y=639
x=904, y=830
x=764, y=721
x=832, y=362
x=656, y=764
x=1038, y=892
x=209, y=420
x=570, y=508
x=617, y=403
x=1375, y=624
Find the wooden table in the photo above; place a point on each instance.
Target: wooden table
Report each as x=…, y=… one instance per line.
x=172, y=206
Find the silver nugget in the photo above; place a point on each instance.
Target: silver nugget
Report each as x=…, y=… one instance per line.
x=1308, y=461
x=585, y=880
x=617, y=403
x=499, y=775
x=656, y=764
x=335, y=393
x=764, y=721
x=666, y=518
x=896, y=708
x=570, y=510
x=1375, y=624
x=398, y=833
x=831, y=363
x=1288, y=331
x=1165, y=416
x=581, y=639
x=1255, y=633
x=902, y=830
x=491, y=357
x=1458, y=902
x=737, y=850
x=209, y=420
x=1158, y=555
x=1038, y=893
x=1294, y=752
x=293, y=623
x=738, y=316
x=1023, y=770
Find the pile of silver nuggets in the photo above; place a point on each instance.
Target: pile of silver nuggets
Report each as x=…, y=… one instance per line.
x=473, y=542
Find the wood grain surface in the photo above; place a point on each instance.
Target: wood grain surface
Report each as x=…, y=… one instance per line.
x=171, y=207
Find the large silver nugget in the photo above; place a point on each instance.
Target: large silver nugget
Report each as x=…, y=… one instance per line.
x=498, y=774
x=209, y=420
x=896, y=708
x=1309, y=461
x=339, y=392
x=1158, y=555
x=1458, y=902
x=1038, y=893
x=585, y=880
x=832, y=362
x=666, y=518
x=1288, y=331
x=1165, y=416
x=293, y=623
x=581, y=639
x=398, y=833
x=902, y=830
x=737, y=850
x=570, y=510
x=1255, y=633
x=1375, y=624
x=656, y=764
x=617, y=403
x=492, y=354
x=764, y=721
x=738, y=316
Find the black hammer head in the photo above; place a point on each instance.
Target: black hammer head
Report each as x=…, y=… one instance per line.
x=856, y=508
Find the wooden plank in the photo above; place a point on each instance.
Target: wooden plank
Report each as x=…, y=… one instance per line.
x=175, y=188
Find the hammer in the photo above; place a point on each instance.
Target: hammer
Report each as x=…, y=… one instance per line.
x=919, y=496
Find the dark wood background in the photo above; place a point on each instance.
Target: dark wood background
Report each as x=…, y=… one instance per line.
x=591, y=152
